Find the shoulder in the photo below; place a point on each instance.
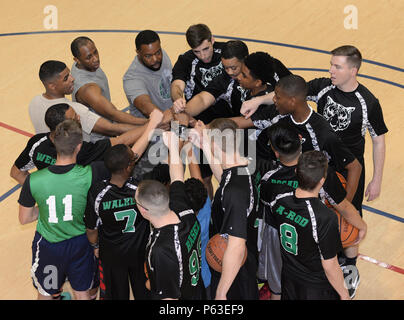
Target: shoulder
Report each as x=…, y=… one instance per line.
x=367, y=94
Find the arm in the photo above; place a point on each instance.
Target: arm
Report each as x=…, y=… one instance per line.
x=28, y=214
x=90, y=94
x=354, y=170
x=199, y=137
x=335, y=277
x=250, y=106
x=144, y=104
x=243, y=123
x=177, y=94
x=18, y=175
x=141, y=144
x=379, y=150
x=197, y=104
x=130, y=137
x=351, y=215
x=92, y=236
x=175, y=163
x=108, y=128
x=231, y=264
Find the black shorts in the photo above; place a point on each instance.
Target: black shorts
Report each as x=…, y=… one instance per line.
x=115, y=275
x=294, y=290
x=360, y=191
x=244, y=286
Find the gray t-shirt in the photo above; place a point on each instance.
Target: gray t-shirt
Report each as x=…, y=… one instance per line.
x=83, y=77
x=39, y=104
x=139, y=80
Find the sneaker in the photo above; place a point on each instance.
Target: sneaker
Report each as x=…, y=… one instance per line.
x=264, y=293
x=352, y=279
x=65, y=296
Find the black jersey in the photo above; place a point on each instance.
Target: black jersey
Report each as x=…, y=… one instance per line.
x=282, y=179
x=40, y=152
x=173, y=252
x=197, y=75
x=234, y=207
x=112, y=210
x=308, y=233
x=316, y=133
x=225, y=88
x=350, y=114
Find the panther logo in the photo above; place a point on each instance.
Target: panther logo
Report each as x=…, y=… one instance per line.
x=337, y=115
x=209, y=74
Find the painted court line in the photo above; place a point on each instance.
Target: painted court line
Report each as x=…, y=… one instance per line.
x=183, y=33
x=381, y=264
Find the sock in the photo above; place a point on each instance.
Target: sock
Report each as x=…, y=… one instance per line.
x=350, y=261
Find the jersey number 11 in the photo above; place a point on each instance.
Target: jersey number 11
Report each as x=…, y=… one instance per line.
x=67, y=201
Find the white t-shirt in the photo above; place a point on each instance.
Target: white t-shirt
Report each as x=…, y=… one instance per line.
x=39, y=104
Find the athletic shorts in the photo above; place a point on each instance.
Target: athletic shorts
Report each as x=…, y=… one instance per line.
x=270, y=259
x=52, y=263
x=293, y=290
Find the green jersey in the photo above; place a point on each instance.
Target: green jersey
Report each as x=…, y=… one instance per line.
x=62, y=200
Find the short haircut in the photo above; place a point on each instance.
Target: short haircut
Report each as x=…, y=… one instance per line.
x=235, y=49
x=311, y=167
x=294, y=86
x=261, y=66
x=117, y=158
x=285, y=140
x=227, y=130
x=50, y=69
x=198, y=33
x=55, y=115
x=68, y=135
x=154, y=196
x=146, y=37
x=196, y=193
x=77, y=44
x=352, y=54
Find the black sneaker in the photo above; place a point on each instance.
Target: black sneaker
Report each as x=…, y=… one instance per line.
x=352, y=279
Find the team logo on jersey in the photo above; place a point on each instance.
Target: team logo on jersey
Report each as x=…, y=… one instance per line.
x=337, y=115
x=243, y=92
x=209, y=74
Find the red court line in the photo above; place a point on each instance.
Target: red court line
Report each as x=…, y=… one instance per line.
x=2, y=124
x=381, y=264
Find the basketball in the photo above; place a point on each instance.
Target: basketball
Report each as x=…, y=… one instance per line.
x=348, y=232
x=215, y=250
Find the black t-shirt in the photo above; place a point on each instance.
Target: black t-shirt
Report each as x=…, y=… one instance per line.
x=281, y=179
x=316, y=133
x=234, y=208
x=40, y=152
x=350, y=114
x=197, y=75
x=223, y=87
x=173, y=252
x=308, y=233
x=122, y=230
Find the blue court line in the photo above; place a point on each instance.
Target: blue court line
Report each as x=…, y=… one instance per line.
x=10, y=192
x=367, y=208
x=382, y=213
x=183, y=33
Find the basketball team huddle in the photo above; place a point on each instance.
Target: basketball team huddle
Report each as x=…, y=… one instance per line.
x=117, y=217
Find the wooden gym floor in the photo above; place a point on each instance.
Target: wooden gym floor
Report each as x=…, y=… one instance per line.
x=299, y=33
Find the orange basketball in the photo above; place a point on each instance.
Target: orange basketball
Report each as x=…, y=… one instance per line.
x=348, y=232
x=215, y=250
x=145, y=271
